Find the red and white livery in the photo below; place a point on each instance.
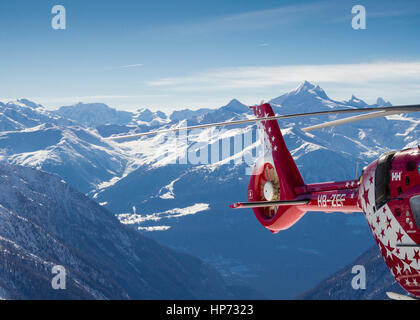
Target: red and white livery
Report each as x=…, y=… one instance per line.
x=387, y=192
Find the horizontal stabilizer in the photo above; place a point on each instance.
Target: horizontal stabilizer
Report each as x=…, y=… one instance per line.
x=262, y=204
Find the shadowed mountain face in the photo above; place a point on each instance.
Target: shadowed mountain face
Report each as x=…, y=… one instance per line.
x=379, y=280
x=44, y=222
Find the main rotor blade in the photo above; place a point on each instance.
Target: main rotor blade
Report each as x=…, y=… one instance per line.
x=351, y=119
x=201, y=126
x=385, y=111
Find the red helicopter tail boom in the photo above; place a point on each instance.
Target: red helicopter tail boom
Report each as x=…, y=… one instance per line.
x=276, y=191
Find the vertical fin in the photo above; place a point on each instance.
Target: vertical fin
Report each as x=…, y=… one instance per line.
x=278, y=185
x=274, y=147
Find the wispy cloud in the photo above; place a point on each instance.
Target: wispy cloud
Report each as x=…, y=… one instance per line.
x=396, y=78
x=257, y=19
x=131, y=66
x=254, y=77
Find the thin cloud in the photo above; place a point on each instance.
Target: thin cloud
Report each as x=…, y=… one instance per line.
x=131, y=66
x=257, y=19
x=257, y=77
x=394, y=80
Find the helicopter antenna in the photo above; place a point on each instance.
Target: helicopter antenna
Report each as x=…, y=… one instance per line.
x=357, y=168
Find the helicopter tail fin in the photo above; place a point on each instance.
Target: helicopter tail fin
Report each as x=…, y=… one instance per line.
x=275, y=176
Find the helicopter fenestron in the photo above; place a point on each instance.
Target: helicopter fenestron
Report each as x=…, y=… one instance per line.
x=387, y=192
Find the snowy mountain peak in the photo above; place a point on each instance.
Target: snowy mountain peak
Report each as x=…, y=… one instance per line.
x=184, y=114
x=145, y=116
x=305, y=86
x=30, y=104
x=235, y=103
x=356, y=102
x=93, y=114
x=148, y=115
x=306, y=94
x=382, y=103
x=235, y=106
x=24, y=105
x=320, y=93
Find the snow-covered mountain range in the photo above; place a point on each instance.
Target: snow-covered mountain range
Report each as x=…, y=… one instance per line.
x=184, y=204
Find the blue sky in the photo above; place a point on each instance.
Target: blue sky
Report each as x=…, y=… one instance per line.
x=176, y=54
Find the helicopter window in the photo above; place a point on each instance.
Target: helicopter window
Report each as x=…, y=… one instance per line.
x=382, y=178
x=415, y=209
